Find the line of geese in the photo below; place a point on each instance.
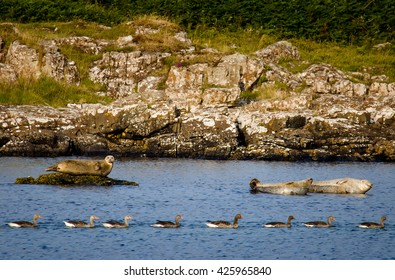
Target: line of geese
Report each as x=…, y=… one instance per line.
x=176, y=224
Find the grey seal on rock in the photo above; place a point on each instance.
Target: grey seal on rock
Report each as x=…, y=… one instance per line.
x=291, y=188
x=84, y=167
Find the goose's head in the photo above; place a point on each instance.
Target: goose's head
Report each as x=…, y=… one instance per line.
x=128, y=217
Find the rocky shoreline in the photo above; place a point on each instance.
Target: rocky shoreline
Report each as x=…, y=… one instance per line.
x=200, y=110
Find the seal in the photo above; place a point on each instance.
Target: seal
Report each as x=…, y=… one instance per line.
x=84, y=167
x=290, y=188
x=341, y=186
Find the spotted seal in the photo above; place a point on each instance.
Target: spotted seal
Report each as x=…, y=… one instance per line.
x=84, y=167
x=291, y=188
x=341, y=186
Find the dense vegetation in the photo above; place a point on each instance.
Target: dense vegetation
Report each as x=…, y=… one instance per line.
x=348, y=21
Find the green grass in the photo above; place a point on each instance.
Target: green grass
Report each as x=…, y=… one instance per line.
x=245, y=41
x=348, y=58
x=46, y=91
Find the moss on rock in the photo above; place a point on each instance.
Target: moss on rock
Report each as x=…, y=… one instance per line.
x=73, y=180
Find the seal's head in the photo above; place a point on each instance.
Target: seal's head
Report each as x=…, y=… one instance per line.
x=109, y=159
x=254, y=182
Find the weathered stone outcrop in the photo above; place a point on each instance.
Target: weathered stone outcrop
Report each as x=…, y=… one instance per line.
x=200, y=110
x=210, y=85
x=121, y=71
x=59, y=179
x=25, y=62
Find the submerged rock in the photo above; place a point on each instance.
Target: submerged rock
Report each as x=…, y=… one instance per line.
x=61, y=179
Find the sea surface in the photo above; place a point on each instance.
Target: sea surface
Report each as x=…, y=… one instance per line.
x=199, y=190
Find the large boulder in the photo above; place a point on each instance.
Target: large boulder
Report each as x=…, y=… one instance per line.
x=277, y=51
x=57, y=66
x=24, y=60
x=120, y=72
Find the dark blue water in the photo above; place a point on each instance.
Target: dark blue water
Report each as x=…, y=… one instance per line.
x=199, y=190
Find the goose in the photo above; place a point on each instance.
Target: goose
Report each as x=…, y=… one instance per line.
x=374, y=225
x=168, y=224
x=81, y=224
x=19, y=224
x=225, y=224
x=280, y=224
x=116, y=224
x=321, y=224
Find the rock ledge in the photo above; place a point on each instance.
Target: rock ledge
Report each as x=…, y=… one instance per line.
x=60, y=179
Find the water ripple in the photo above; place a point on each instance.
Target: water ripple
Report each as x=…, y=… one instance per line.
x=199, y=190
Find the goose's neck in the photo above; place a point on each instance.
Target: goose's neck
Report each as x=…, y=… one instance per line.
x=126, y=222
x=236, y=222
x=289, y=222
x=329, y=221
x=34, y=221
x=91, y=222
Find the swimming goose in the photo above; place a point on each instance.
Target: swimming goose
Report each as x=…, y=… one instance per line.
x=374, y=225
x=321, y=224
x=168, y=224
x=280, y=224
x=225, y=224
x=116, y=224
x=19, y=224
x=81, y=224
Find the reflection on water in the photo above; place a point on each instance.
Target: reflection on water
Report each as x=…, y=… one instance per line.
x=199, y=190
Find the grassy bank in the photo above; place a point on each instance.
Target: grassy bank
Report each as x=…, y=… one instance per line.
x=47, y=91
x=243, y=40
